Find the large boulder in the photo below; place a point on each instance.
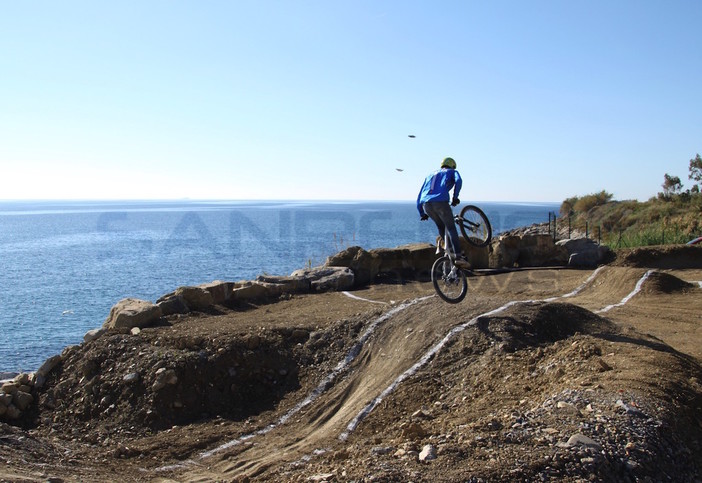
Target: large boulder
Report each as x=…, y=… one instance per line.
x=326, y=279
x=541, y=251
x=583, y=252
x=365, y=265
x=526, y=251
x=197, y=298
x=129, y=313
x=479, y=257
x=171, y=304
x=247, y=291
x=220, y=291
x=406, y=261
x=505, y=251
x=290, y=285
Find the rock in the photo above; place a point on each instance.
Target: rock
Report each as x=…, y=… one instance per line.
x=629, y=409
x=526, y=250
x=421, y=257
x=22, y=400
x=322, y=477
x=172, y=304
x=340, y=279
x=253, y=341
x=365, y=265
x=567, y=407
x=220, y=291
x=332, y=278
x=602, y=366
x=9, y=387
x=94, y=334
x=479, y=257
x=250, y=291
x=291, y=284
x=395, y=263
x=131, y=377
x=45, y=369
x=583, y=252
x=413, y=430
x=422, y=414
x=540, y=250
x=505, y=251
x=406, y=261
x=22, y=379
x=400, y=453
x=581, y=440
x=129, y=312
x=271, y=290
x=12, y=412
x=197, y=298
x=163, y=378
x=428, y=453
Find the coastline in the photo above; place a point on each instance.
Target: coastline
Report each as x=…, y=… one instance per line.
x=58, y=263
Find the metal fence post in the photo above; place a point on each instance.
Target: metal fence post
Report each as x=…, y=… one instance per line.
x=569, y=226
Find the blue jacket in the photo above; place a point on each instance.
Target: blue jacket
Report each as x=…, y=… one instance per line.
x=437, y=186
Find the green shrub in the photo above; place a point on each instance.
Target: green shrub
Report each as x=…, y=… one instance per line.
x=676, y=219
x=588, y=202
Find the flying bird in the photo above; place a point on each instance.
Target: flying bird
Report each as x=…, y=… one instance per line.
x=399, y=169
x=411, y=136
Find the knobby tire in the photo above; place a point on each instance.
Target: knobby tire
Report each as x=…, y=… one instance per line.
x=475, y=226
x=451, y=287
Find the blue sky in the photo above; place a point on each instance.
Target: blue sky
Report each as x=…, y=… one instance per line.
x=536, y=101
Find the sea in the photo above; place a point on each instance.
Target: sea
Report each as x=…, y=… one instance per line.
x=64, y=264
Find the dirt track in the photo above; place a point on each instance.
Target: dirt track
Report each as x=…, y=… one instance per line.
x=352, y=387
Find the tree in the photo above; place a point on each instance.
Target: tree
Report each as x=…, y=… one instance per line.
x=671, y=185
x=696, y=169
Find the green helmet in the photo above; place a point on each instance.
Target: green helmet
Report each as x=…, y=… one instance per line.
x=448, y=163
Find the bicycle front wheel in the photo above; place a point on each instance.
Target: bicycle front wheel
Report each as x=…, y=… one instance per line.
x=475, y=226
x=449, y=281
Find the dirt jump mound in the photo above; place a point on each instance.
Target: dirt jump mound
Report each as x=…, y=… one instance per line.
x=666, y=257
x=536, y=323
x=140, y=384
x=664, y=283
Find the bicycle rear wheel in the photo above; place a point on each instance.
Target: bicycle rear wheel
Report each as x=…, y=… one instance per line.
x=475, y=226
x=449, y=281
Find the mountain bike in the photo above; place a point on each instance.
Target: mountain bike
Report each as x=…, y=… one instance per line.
x=448, y=279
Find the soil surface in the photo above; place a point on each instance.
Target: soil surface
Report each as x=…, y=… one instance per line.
x=538, y=375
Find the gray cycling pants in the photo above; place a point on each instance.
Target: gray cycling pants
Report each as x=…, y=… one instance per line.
x=442, y=214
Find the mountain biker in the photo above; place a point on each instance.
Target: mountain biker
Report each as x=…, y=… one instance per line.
x=433, y=202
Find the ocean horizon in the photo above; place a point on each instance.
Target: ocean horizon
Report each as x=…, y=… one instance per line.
x=65, y=263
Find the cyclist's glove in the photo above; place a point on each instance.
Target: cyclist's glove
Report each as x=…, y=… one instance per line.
x=424, y=217
x=455, y=202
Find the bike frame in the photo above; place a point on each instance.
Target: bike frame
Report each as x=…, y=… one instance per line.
x=449, y=253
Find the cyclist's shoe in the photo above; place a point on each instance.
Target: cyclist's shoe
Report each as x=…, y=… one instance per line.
x=462, y=262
